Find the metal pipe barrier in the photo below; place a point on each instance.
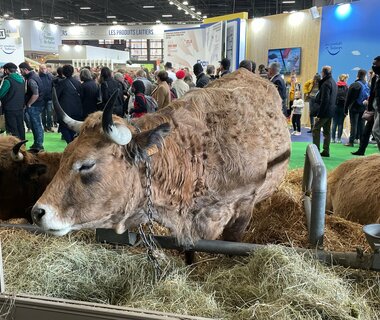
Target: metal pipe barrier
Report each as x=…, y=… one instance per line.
x=356, y=260
x=314, y=187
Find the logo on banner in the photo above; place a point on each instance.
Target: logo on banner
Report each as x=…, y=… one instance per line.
x=334, y=48
x=204, y=63
x=2, y=34
x=8, y=48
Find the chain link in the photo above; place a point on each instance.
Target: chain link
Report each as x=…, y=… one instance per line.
x=147, y=238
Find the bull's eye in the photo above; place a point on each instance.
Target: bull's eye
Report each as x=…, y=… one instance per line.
x=87, y=167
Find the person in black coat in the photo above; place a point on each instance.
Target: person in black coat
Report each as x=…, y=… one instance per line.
x=326, y=99
x=89, y=92
x=355, y=109
x=275, y=77
x=107, y=87
x=372, y=106
x=68, y=93
x=202, y=79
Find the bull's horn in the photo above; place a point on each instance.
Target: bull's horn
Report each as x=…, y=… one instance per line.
x=16, y=154
x=118, y=133
x=70, y=122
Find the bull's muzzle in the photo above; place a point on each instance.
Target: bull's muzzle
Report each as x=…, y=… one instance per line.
x=37, y=214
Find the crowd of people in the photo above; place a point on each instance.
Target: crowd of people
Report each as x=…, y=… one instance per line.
x=26, y=97
x=329, y=104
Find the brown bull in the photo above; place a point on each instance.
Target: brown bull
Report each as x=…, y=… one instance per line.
x=353, y=190
x=214, y=153
x=23, y=177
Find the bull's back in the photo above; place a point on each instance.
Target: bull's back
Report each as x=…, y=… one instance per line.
x=353, y=190
x=242, y=131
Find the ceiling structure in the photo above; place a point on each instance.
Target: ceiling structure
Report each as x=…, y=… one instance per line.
x=92, y=12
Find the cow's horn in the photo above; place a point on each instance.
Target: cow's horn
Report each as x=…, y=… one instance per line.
x=70, y=122
x=118, y=133
x=16, y=154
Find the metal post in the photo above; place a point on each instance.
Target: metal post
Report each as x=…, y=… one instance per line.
x=2, y=282
x=314, y=185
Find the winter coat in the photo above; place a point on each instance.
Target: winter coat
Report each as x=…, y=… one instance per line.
x=202, y=80
x=326, y=97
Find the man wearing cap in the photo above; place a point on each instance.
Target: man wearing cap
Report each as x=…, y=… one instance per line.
x=169, y=70
x=202, y=79
x=180, y=86
x=34, y=102
x=224, y=67
x=12, y=95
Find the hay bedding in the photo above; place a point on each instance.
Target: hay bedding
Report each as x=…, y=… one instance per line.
x=273, y=284
x=281, y=220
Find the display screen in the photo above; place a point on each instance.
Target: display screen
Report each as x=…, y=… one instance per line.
x=289, y=59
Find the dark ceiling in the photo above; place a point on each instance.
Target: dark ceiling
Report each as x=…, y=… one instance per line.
x=132, y=11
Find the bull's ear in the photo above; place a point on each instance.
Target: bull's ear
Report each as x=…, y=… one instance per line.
x=147, y=143
x=34, y=171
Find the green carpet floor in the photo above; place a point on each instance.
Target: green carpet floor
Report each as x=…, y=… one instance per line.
x=339, y=153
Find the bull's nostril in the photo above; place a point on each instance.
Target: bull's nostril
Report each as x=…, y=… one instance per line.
x=37, y=214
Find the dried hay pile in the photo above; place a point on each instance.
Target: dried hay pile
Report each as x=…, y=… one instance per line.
x=281, y=220
x=275, y=283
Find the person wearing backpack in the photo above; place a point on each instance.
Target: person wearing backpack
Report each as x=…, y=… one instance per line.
x=140, y=103
x=339, y=114
x=358, y=92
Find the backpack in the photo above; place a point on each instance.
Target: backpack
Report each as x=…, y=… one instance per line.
x=341, y=94
x=151, y=104
x=364, y=93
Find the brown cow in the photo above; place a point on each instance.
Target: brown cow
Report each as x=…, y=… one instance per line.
x=353, y=190
x=23, y=177
x=214, y=153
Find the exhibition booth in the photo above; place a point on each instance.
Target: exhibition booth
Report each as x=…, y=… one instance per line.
x=341, y=36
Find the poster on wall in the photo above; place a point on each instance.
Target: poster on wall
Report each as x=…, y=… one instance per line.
x=288, y=58
x=214, y=43
x=11, y=50
x=345, y=44
x=231, y=42
x=186, y=47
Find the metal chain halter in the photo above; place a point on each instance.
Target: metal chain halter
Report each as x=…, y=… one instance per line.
x=147, y=238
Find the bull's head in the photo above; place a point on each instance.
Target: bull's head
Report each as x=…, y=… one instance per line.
x=23, y=178
x=98, y=183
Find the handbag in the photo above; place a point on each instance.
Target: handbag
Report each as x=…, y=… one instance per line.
x=368, y=115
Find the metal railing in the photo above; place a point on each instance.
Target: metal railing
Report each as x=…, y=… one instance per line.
x=314, y=187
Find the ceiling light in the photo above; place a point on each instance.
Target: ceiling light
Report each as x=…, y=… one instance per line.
x=167, y=15
x=6, y=15
x=158, y=21
x=198, y=12
x=111, y=17
x=288, y=1
x=25, y=9
x=193, y=17
x=185, y=3
x=84, y=24
x=148, y=7
x=114, y=22
x=58, y=18
x=179, y=8
x=171, y=2
x=73, y=23
x=186, y=12
x=85, y=8
x=192, y=9
x=204, y=17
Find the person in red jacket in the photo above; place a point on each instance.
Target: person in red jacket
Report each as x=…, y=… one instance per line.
x=139, y=105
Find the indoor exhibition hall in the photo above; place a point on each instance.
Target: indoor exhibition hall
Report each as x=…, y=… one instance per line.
x=171, y=159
